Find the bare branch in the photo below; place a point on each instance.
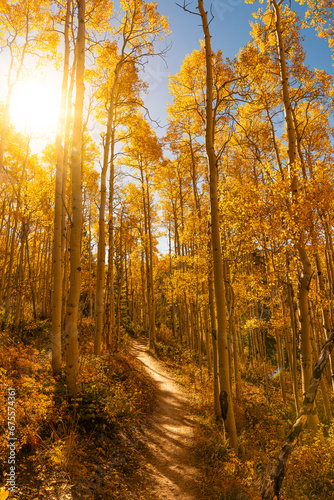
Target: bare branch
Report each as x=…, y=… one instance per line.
x=185, y=8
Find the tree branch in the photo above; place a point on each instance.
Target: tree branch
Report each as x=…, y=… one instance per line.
x=184, y=7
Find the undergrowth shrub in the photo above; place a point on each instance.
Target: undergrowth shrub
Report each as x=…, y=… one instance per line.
x=86, y=331
x=133, y=329
x=113, y=392
x=310, y=472
x=28, y=372
x=227, y=476
x=174, y=351
x=28, y=332
x=52, y=433
x=263, y=420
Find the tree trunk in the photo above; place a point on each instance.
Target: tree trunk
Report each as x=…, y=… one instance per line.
x=149, y=227
x=110, y=280
x=299, y=240
x=60, y=192
x=12, y=249
x=6, y=246
x=72, y=344
x=214, y=345
x=325, y=313
x=146, y=242
x=293, y=365
x=215, y=236
x=20, y=275
x=100, y=278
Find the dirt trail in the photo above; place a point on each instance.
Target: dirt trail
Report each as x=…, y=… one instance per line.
x=168, y=456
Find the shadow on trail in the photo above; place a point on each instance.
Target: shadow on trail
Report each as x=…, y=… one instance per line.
x=168, y=452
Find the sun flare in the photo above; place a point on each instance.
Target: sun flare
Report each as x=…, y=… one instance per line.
x=34, y=107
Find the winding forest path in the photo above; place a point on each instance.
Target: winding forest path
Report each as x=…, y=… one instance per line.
x=168, y=456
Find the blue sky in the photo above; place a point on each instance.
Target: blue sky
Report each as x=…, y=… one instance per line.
x=230, y=31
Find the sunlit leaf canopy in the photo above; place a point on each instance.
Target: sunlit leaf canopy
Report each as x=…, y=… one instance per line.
x=246, y=156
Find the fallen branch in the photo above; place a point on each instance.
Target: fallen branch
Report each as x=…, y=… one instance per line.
x=275, y=471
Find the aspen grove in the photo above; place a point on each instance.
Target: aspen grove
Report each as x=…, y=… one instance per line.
x=210, y=240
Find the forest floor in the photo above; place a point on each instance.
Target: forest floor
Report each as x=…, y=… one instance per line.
x=131, y=437
x=142, y=427
x=168, y=458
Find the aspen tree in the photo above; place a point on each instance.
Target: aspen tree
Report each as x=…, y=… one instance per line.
x=110, y=312
x=218, y=269
x=305, y=88
x=5, y=246
x=143, y=154
x=13, y=238
x=60, y=192
x=326, y=323
x=141, y=26
x=71, y=330
x=150, y=261
x=299, y=240
x=214, y=343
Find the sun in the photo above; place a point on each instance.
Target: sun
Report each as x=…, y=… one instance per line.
x=34, y=107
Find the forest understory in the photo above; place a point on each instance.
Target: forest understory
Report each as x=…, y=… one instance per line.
x=114, y=443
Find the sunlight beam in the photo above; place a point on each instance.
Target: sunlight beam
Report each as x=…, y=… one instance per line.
x=34, y=107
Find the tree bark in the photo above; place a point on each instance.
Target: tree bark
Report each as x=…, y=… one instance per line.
x=71, y=330
x=150, y=240
x=110, y=277
x=325, y=313
x=214, y=345
x=215, y=237
x=60, y=190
